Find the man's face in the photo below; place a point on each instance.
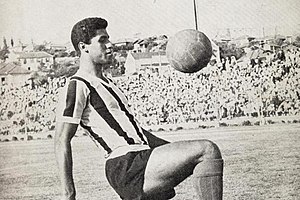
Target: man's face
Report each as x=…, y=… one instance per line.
x=100, y=49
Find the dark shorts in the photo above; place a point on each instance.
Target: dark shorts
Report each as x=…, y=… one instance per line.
x=126, y=175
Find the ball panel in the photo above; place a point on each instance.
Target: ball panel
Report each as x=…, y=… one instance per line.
x=189, y=51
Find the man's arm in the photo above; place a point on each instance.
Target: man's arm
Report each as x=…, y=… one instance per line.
x=153, y=140
x=63, y=152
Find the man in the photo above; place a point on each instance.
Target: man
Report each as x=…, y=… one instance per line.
x=138, y=164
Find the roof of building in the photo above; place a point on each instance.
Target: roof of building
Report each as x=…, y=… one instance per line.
x=11, y=68
x=243, y=37
x=39, y=54
x=145, y=55
x=58, y=46
x=122, y=40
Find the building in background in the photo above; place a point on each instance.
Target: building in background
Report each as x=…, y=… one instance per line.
x=13, y=75
x=136, y=62
x=33, y=60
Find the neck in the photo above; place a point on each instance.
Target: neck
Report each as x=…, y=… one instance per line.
x=91, y=68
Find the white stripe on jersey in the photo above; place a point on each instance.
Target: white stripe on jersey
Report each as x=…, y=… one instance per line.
x=117, y=110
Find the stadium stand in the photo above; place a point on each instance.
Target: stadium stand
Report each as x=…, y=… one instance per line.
x=261, y=88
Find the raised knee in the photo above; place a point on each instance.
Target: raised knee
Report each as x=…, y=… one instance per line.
x=211, y=151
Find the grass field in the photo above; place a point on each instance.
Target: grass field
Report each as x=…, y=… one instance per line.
x=260, y=163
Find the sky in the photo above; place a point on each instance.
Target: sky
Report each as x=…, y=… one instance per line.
x=52, y=20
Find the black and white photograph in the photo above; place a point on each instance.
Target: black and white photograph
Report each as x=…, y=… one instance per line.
x=150, y=100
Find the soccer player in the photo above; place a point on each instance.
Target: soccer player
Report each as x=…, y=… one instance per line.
x=139, y=165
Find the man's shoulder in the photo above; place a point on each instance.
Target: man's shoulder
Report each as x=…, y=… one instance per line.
x=75, y=85
x=84, y=77
x=79, y=74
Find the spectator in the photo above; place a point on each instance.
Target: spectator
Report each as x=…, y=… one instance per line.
x=212, y=93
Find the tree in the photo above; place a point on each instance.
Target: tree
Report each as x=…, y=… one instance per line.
x=4, y=51
x=4, y=43
x=227, y=50
x=12, y=42
x=40, y=47
x=279, y=41
x=66, y=69
x=3, y=54
x=297, y=41
x=72, y=54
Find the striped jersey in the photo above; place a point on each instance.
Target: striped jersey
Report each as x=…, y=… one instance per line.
x=102, y=109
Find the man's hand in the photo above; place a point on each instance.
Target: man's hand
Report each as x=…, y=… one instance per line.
x=63, y=151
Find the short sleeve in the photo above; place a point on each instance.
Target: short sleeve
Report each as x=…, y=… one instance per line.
x=72, y=102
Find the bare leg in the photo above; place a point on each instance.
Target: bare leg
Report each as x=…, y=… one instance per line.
x=170, y=164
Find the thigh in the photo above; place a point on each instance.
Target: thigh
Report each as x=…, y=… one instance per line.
x=170, y=164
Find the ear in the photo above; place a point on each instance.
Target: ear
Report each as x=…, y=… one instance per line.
x=82, y=47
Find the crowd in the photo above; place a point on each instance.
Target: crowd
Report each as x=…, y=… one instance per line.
x=29, y=106
x=258, y=88
x=267, y=86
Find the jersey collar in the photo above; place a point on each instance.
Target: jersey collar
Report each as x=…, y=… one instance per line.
x=94, y=80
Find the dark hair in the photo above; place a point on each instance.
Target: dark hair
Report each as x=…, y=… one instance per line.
x=85, y=30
